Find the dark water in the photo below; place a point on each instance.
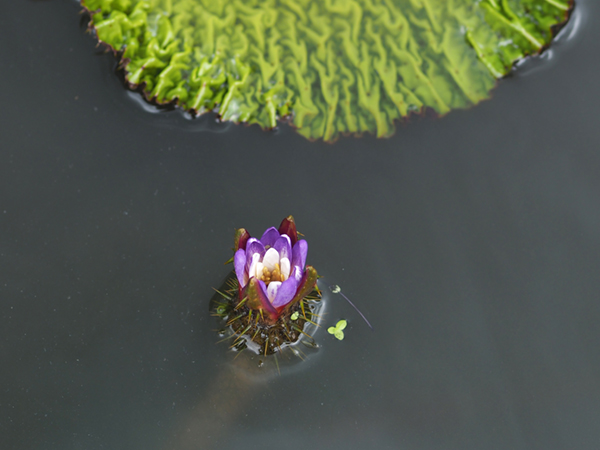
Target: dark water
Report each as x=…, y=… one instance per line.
x=472, y=243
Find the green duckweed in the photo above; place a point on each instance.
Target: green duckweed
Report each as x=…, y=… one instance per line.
x=338, y=330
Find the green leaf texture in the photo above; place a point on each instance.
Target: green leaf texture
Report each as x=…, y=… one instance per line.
x=330, y=67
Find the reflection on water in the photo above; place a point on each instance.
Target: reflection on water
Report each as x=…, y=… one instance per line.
x=565, y=39
x=207, y=123
x=239, y=381
x=227, y=397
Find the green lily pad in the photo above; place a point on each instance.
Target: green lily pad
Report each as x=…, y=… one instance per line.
x=330, y=67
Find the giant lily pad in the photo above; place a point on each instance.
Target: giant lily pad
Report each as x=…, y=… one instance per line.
x=328, y=66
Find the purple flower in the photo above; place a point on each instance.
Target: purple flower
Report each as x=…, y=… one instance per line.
x=271, y=270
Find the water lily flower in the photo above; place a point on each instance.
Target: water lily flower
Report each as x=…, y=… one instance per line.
x=271, y=271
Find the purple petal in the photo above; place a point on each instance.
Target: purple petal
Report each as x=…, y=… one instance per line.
x=239, y=263
x=250, y=241
x=286, y=292
x=306, y=285
x=283, y=245
x=253, y=246
x=267, y=306
x=257, y=297
x=297, y=273
x=299, y=254
x=272, y=289
x=269, y=237
x=303, y=287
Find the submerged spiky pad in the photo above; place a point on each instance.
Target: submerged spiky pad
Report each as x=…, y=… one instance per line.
x=250, y=329
x=341, y=66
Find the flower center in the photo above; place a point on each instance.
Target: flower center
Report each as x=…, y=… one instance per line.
x=270, y=268
x=271, y=275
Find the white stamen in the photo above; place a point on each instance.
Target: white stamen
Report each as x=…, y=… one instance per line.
x=270, y=259
x=252, y=270
x=284, y=267
x=259, y=270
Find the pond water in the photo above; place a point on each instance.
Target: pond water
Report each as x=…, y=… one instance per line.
x=471, y=242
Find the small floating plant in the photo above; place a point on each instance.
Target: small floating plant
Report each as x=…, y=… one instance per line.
x=271, y=297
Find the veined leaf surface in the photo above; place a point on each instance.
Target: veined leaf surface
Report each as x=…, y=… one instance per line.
x=329, y=66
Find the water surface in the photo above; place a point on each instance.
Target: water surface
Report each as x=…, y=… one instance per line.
x=471, y=242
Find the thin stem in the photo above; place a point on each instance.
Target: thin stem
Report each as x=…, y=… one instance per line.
x=336, y=289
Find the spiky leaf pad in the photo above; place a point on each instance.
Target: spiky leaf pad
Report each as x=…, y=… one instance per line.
x=252, y=329
x=331, y=66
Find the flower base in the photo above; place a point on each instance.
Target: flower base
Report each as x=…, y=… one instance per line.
x=253, y=330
